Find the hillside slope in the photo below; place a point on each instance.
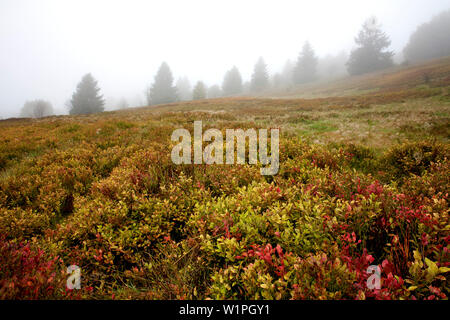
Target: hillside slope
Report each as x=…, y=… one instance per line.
x=434, y=73
x=363, y=180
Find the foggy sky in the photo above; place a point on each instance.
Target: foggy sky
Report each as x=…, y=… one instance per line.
x=47, y=46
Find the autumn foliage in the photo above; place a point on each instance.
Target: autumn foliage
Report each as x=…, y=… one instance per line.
x=101, y=192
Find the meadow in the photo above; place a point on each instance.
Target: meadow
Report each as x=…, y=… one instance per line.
x=363, y=180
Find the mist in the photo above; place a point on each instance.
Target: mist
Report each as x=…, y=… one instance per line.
x=47, y=46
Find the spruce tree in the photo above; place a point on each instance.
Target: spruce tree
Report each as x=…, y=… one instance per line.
x=371, y=55
x=260, y=78
x=287, y=73
x=86, y=99
x=306, y=68
x=199, y=91
x=162, y=89
x=232, y=82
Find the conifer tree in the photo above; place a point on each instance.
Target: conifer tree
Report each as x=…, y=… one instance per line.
x=371, y=54
x=260, y=78
x=86, y=99
x=232, y=82
x=162, y=89
x=199, y=91
x=306, y=68
x=430, y=40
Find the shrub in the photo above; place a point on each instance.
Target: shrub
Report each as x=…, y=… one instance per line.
x=414, y=157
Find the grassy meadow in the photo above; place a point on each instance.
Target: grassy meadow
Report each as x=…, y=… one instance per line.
x=363, y=180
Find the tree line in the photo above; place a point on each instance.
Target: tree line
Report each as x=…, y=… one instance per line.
x=372, y=53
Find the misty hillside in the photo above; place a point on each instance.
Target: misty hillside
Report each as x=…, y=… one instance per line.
x=240, y=150
x=426, y=78
x=433, y=73
x=361, y=173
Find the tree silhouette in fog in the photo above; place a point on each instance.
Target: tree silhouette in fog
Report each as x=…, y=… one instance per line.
x=371, y=54
x=232, y=82
x=86, y=99
x=306, y=68
x=430, y=40
x=260, y=78
x=162, y=89
x=123, y=104
x=214, y=91
x=199, y=91
x=184, y=90
x=36, y=109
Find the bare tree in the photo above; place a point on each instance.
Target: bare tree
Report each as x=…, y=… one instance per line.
x=36, y=109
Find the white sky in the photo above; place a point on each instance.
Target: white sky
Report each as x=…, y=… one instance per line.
x=47, y=46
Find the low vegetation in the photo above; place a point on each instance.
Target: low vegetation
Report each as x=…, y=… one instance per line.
x=363, y=181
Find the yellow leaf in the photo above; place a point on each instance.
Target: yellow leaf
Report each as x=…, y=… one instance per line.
x=417, y=255
x=432, y=267
x=444, y=269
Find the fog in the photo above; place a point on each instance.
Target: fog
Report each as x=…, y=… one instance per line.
x=47, y=46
